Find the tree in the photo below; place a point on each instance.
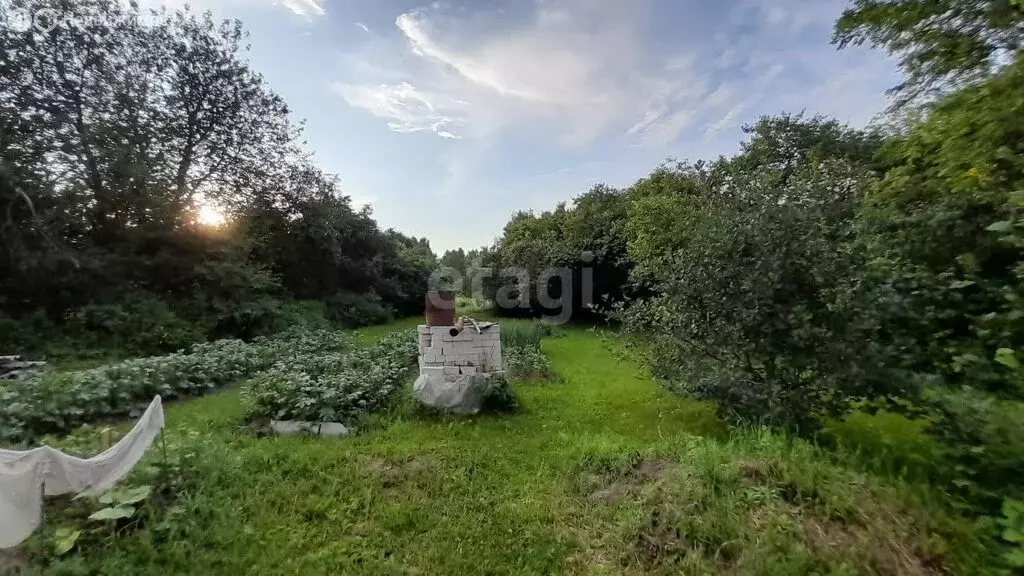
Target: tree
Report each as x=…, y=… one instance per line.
x=581, y=247
x=943, y=231
x=750, y=271
x=115, y=125
x=942, y=44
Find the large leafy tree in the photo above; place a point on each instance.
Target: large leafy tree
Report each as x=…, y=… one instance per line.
x=751, y=274
x=115, y=124
x=583, y=244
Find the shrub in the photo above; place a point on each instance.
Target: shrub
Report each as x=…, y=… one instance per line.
x=314, y=386
x=29, y=334
x=982, y=441
x=526, y=362
x=499, y=397
x=357, y=310
x=752, y=274
x=470, y=304
x=140, y=325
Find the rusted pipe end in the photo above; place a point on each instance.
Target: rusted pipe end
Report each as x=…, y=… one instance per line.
x=457, y=328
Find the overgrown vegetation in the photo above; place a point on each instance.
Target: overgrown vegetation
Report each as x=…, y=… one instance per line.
x=822, y=280
x=521, y=350
x=825, y=270
x=604, y=472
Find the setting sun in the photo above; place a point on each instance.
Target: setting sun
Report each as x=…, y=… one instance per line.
x=210, y=215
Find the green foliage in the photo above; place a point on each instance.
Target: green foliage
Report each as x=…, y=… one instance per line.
x=587, y=241
x=947, y=259
x=470, y=305
x=357, y=310
x=751, y=270
x=941, y=44
x=54, y=402
x=525, y=334
x=332, y=386
x=603, y=472
x=526, y=363
x=498, y=397
x=100, y=185
x=982, y=447
x=140, y=326
x=120, y=504
x=1012, y=523
x=147, y=502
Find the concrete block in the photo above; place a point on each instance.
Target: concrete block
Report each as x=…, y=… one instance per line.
x=325, y=429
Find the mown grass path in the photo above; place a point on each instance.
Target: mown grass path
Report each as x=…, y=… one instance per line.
x=578, y=481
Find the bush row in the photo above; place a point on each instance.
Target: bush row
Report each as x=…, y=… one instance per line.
x=51, y=403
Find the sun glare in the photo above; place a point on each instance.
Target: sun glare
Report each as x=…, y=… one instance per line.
x=210, y=215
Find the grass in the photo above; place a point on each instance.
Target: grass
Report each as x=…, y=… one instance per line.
x=602, y=472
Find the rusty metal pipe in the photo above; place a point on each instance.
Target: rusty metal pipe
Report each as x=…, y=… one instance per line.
x=457, y=328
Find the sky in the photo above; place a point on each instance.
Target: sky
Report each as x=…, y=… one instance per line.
x=449, y=116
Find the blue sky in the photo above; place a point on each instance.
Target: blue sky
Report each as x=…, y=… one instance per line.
x=449, y=116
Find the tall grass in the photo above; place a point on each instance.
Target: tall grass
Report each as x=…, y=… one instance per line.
x=523, y=334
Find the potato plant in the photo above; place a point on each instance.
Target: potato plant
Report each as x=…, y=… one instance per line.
x=333, y=386
x=57, y=402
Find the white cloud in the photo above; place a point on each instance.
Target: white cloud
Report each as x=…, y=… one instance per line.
x=587, y=69
x=362, y=27
x=305, y=7
x=405, y=108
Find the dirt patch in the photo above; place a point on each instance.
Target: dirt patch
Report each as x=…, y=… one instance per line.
x=12, y=562
x=759, y=471
x=660, y=540
x=393, y=472
x=652, y=468
x=615, y=486
x=887, y=555
x=610, y=494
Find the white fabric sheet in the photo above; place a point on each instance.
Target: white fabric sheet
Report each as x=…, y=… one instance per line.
x=24, y=475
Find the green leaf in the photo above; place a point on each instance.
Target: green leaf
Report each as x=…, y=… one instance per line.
x=135, y=495
x=107, y=498
x=1016, y=558
x=1001, y=226
x=1015, y=536
x=65, y=540
x=961, y=284
x=1006, y=357
x=113, y=513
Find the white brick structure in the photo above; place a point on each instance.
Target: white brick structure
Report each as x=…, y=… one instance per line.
x=468, y=353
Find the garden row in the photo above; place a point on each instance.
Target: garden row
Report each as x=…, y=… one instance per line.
x=332, y=386
x=338, y=386
x=317, y=376
x=53, y=402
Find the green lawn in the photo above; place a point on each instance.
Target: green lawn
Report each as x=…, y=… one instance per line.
x=601, y=472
